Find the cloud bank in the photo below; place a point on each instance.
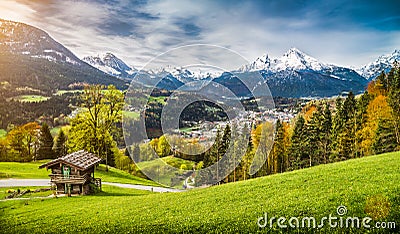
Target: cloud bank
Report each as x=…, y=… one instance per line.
x=348, y=33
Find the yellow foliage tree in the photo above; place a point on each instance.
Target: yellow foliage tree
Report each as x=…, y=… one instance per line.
x=378, y=109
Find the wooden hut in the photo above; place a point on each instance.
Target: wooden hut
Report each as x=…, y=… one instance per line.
x=74, y=173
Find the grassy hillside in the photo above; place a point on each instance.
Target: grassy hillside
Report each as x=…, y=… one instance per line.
x=31, y=171
x=23, y=170
x=31, y=98
x=160, y=165
x=107, y=190
x=118, y=176
x=234, y=207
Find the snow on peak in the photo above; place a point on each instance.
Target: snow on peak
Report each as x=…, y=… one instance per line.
x=186, y=74
x=382, y=63
x=110, y=64
x=261, y=63
x=19, y=38
x=293, y=59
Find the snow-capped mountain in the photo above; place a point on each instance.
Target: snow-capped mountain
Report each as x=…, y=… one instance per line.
x=22, y=39
x=185, y=75
x=110, y=64
x=32, y=58
x=294, y=62
x=383, y=63
x=293, y=59
x=296, y=74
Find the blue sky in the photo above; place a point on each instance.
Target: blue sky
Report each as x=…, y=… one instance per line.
x=349, y=33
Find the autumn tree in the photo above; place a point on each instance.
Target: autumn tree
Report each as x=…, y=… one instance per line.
x=23, y=141
x=4, y=157
x=378, y=111
x=262, y=143
x=164, y=149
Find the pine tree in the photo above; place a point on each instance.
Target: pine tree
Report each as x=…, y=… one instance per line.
x=224, y=166
x=60, y=146
x=45, y=150
x=385, y=139
x=344, y=130
x=318, y=137
x=136, y=153
x=225, y=141
x=245, y=164
x=297, y=149
x=278, y=152
x=210, y=158
x=361, y=118
x=337, y=127
x=212, y=155
x=394, y=103
x=311, y=142
x=382, y=82
x=348, y=140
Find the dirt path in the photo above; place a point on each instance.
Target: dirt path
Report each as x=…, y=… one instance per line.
x=46, y=182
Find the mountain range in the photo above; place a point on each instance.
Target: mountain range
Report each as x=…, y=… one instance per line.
x=32, y=58
x=382, y=63
x=29, y=57
x=295, y=74
x=110, y=64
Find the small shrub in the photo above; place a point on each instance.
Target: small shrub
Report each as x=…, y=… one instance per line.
x=94, y=189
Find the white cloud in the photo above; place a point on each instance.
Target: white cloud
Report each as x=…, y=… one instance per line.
x=82, y=27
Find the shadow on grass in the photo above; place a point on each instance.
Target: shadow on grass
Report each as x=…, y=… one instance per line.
x=102, y=169
x=4, y=175
x=120, y=194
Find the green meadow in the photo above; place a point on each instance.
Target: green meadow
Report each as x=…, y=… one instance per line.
x=31, y=171
x=31, y=98
x=163, y=165
x=367, y=186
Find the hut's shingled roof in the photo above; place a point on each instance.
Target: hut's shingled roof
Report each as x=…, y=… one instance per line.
x=80, y=159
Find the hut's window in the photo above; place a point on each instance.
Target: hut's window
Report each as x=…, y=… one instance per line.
x=66, y=171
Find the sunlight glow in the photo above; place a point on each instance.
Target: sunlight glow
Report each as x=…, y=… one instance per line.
x=10, y=10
